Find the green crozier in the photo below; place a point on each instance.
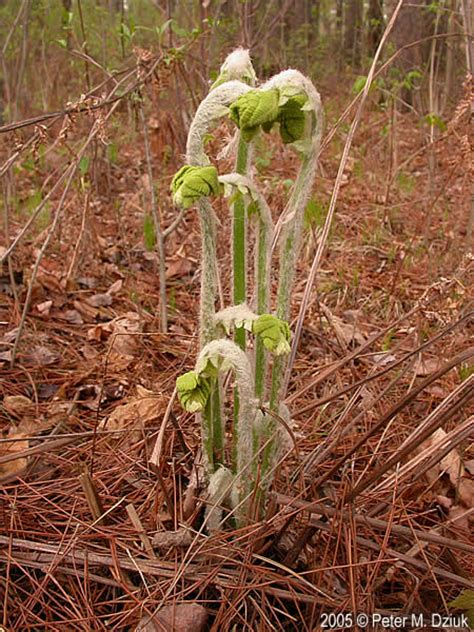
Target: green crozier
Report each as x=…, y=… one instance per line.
x=255, y=108
x=190, y=184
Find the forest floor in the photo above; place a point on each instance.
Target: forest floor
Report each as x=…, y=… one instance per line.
x=96, y=536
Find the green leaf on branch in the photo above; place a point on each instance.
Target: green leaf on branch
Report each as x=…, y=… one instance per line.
x=359, y=84
x=275, y=333
x=292, y=119
x=434, y=120
x=193, y=391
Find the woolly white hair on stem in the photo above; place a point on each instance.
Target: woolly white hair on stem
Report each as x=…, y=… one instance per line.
x=295, y=81
x=218, y=492
x=292, y=82
x=224, y=355
x=235, y=316
x=275, y=435
x=263, y=253
x=237, y=65
x=246, y=186
x=213, y=107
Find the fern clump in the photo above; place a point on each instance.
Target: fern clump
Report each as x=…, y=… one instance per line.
x=245, y=339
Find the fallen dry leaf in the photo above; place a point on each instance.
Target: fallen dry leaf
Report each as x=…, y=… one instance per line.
x=451, y=464
x=24, y=411
x=10, y=336
x=16, y=465
x=460, y=518
x=19, y=406
x=141, y=409
x=97, y=333
x=466, y=492
x=184, y=617
x=100, y=300
x=115, y=287
x=72, y=316
x=437, y=391
x=88, y=352
x=345, y=332
x=119, y=362
x=88, y=282
x=427, y=366
x=124, y=332
x=44, y=308
x=383, y=358
x=88, y=313
x=42, y=356
x=179, y=268
x=50, y=281
x=444, y=501
x=469, y=465
x=5, y=356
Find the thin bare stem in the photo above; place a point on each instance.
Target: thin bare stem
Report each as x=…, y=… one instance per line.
x=334, y=198
x=157, y=224
x=71, y=171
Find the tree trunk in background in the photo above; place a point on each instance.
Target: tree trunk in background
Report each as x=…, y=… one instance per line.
x=314, y=21
x=414, y=23
x=67, y=6
x=353, y=31
x=375, y=25
x=468, y=21
x=339, y=35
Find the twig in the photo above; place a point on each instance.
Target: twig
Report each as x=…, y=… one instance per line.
x=6, y=223
x=437, y=451
x=6, y=43
x=407, y=559
x=334, y=198
x=92, y=497
x=156, y=454
x=71, y=173
x=174, y=224
x=84, y=44
x=135, y=520
x=79, y=239
x=438, y=417
x=157, y=224
x=458, y=359
x=317, y=508
x=329, y=398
